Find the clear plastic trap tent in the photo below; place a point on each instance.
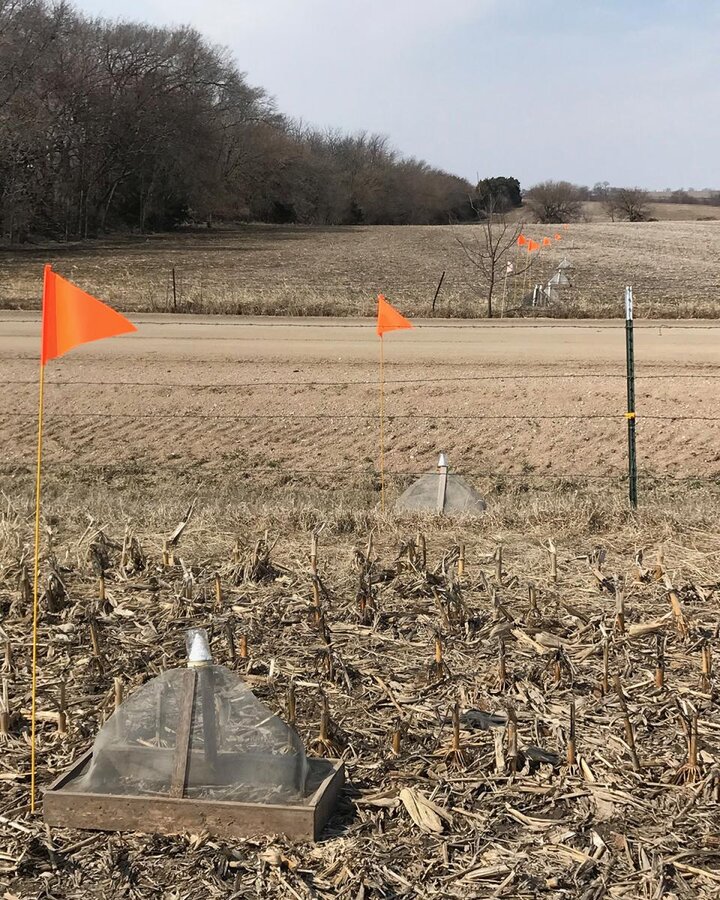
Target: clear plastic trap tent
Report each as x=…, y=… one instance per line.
x=198, y=733
x=195, y=750
x=441, y=492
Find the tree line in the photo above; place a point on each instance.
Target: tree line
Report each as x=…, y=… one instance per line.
x=561, y=201
x=123, y=126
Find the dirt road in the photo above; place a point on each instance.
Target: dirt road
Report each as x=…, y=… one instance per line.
x=206, y=401
x=439, y=341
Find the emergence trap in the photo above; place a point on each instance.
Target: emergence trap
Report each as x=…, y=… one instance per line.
x=440, y=492
x=194, y=749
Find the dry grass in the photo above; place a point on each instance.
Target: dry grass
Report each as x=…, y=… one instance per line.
x=338, y=271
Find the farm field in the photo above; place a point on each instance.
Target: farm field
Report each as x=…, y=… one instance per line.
x=270, y=427
x=288, y=270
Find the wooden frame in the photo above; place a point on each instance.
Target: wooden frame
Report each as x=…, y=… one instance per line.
x=166, y=814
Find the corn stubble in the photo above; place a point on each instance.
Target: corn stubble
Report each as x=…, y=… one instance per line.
x=472, y=686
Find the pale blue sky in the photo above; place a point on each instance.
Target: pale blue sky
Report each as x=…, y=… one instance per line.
x=625, y=92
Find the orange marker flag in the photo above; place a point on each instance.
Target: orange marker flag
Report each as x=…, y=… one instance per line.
x=558, y=237
x=532, y=246
x=388, y=318
x=72, y=317
x=565, y=227
x=546, y=242
x=521, y=240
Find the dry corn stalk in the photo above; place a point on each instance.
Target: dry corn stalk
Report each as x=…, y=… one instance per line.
x=533, y=612
x=422, y=550
x=705, y=667
x=24, y=585
x=691, y=771
x=230, y=638
x=499, y=563
x=558, y=666
x=552, y=551
x=680, y=621
x=325, y=744
x=438, y=668
x=396, y=737
x=5, y=711
x=629, y=732
x=456, y=757
x=571, y=745
x=512, y=741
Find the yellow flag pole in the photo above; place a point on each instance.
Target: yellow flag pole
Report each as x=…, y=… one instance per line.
x=382, y=424
x=36, y=585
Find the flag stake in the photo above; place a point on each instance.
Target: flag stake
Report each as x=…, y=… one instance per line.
x=382, y=424
x=388, y=319
x=36, y=584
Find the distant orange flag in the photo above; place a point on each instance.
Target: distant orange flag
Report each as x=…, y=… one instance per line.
x=532, y=246
x=565, y=226
x=558, y=237
x=72, y=317
x=521, y=240
x=546, y=242
x=388, y=318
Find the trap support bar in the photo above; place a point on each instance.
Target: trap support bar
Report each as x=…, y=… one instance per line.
x=630, y=415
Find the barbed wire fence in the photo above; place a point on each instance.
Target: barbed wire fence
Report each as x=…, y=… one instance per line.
x=369, y=472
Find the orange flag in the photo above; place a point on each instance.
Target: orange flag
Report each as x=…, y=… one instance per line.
x=532, y=246
x=522, y=240
x=546, y=242
x=565, y=227
x=388, y=318
x=558, y=237
x=71, y=317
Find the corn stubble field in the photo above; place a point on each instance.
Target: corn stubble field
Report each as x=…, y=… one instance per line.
x=541, y=721
x=526, y=702
x=288, y=270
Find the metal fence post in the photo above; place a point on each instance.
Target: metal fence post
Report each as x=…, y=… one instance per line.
x=630, y=414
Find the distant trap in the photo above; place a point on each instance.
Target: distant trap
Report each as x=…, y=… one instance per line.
x=441, y=492
x=195, y=750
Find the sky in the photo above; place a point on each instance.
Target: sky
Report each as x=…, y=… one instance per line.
x=623, y=91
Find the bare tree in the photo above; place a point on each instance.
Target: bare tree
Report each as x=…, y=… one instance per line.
x=553, y=202
x=631, y=204
x=490, y=247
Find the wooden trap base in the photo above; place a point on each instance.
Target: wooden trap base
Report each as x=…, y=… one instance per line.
x=163, y=814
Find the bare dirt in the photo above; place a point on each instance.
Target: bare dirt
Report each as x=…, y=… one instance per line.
x=257, y=402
